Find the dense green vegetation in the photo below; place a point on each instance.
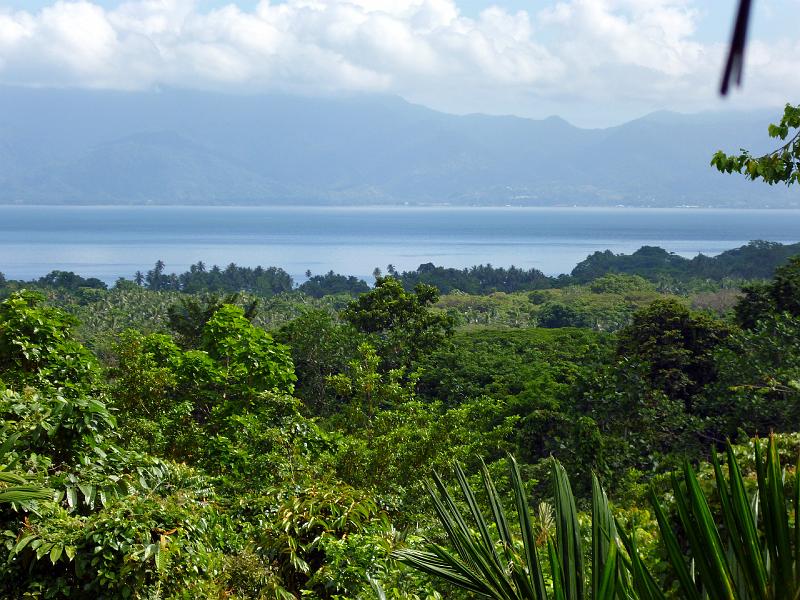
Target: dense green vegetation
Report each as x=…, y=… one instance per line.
x=195, y=437
x=756, y=260
x=665, y=270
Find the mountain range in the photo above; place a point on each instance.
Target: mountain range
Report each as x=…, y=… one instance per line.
x=172, y=146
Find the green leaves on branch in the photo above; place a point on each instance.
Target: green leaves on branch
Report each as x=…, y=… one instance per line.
x=779, y=166
x=154, y=380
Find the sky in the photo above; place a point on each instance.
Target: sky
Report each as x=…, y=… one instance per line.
x=594, y=62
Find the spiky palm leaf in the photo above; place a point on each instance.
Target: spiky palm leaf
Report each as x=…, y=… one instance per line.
x=754, y=553
x=490, y=564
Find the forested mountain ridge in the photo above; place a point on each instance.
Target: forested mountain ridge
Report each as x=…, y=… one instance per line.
x=182, y=147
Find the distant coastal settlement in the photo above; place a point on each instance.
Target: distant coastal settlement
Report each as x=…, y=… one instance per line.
x=602, y=292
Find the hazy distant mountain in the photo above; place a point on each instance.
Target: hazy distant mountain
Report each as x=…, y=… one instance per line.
x=181, y=147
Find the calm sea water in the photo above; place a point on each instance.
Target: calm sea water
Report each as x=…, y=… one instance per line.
x=108, y=242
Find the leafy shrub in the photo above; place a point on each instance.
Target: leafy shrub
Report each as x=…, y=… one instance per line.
x=37, y=348
x=133, y=546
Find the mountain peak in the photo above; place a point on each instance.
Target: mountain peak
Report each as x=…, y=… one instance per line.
x=555, y=119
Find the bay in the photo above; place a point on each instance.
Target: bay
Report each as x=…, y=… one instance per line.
x=109, y=242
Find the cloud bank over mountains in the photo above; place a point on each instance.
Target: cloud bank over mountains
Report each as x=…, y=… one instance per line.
x=593, y=61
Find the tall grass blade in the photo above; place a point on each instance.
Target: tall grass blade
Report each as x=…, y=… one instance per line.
x=559, y=586
x=796, y=500
x=607, y=579
x=477, y=516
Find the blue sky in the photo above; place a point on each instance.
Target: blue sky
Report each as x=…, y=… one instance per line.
x=595, y=62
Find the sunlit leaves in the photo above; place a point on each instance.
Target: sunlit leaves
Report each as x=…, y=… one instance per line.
x=779, y=166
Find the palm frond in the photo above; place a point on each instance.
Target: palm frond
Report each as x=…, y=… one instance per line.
x=753, y=553
x=484, y=559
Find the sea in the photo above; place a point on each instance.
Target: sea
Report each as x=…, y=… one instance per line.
x=111, y=242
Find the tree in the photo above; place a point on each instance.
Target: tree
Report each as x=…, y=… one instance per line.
x=557, y=314
x=782, y=165
x=190, y=315
x=761, y=300
x=155, y=275
x=758, y=385
x=786, y=287
x=321, y=346
x=367, y=391
x=647, y=403
x=403, y=322
x=143, y=373
x=170, y=396
x=620, y=283
x=70, y=281
x=676, y=347
x=247, y=359
x=332, y=283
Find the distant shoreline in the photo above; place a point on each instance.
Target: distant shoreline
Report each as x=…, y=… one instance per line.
x=405, y=206
x=104, y=241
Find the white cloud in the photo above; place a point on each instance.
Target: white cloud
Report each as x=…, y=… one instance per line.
x=611, y=57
